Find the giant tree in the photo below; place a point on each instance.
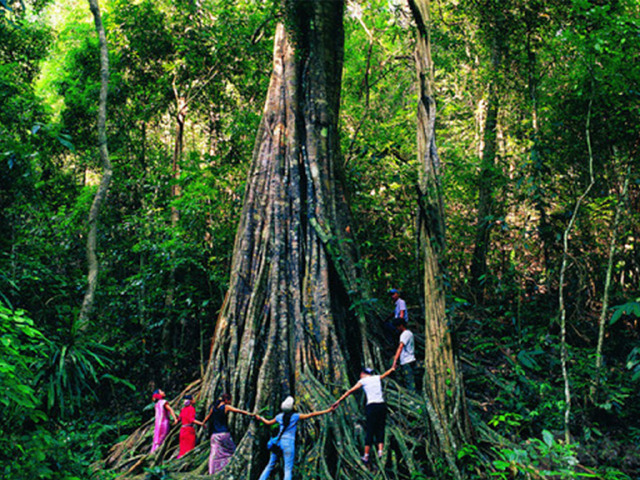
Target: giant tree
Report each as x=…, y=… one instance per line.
x=286, y=326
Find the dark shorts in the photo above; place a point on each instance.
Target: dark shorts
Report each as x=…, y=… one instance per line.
x=376, y=420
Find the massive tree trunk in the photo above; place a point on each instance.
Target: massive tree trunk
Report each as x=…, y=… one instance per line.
x=292, y=321
x=443, y=381
x=286, y=327
x=101, y=194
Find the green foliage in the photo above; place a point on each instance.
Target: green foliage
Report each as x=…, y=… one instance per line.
x=544, y=457
x=559, y=63
x=19, y=354
x=629, y=308
x=70, y=370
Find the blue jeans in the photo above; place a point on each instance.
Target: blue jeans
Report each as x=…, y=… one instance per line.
x=288, y=446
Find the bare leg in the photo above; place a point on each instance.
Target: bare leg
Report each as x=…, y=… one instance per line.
x=367, y=448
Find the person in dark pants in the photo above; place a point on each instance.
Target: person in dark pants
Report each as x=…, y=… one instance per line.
x=376, y=410
x=400, y=306
x=405, y=355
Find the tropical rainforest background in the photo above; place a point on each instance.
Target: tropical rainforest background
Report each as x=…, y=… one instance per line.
x=537, y=130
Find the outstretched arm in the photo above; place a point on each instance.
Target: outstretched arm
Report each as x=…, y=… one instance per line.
x=346, y=394
x=304, y=416
x=171, y=412
x=388, y=372
x=265, y=421
x=206, y=418
x=397, y=356
x=229, y=408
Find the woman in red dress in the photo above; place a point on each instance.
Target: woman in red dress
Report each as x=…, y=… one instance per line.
x=187, y=431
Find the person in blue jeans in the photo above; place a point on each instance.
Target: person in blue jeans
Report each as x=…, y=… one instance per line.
x=288, y=421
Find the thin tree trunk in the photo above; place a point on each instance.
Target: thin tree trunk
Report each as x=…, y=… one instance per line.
x=101, y=194
x=443, y=381
x=607, y=287
x=178, y=146
x=486, y=183
x=563, y=269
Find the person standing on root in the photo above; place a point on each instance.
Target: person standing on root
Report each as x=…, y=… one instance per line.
x=187, y=431
x=406, y=355
x=376, y=409
x=400, y=306
x=222, y=445
x=288, y=421
x=162, y=424
x=399, y=311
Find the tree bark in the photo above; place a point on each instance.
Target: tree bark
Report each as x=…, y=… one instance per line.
x=486, y=180
x=564, y=356
x=286, y=326
x=101, y=194
x=443, y=381
x=181, y=116
x=607, y=286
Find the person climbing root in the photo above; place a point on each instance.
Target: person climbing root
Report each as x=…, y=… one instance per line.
x=376, y=410
x=162, y=424
x=405, y=355
x=187, y=431
x=222, y=445
x=288, y=421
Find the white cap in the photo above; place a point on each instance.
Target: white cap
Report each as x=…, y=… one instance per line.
x=287, y=405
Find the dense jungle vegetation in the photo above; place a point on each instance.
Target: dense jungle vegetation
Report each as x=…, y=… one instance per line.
x=538, y=135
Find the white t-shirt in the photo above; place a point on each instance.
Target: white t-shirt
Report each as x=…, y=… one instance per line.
x=372, y=389
x=407, y=354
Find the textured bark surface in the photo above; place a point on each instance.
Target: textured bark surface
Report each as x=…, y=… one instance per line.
x=443, y=383
x=292, y=321
x=101, y=194
x=285, y=327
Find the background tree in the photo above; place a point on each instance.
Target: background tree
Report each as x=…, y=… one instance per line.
x=443, y=380
x=103, y=188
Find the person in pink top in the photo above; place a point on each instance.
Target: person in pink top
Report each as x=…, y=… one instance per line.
x=161, y=428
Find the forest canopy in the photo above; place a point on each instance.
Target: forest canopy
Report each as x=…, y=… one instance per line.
x=273, y=170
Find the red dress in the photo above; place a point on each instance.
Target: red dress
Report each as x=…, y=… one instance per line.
x=187, y=432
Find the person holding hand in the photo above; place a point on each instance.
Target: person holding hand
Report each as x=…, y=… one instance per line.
x=288, y=421
x=376, y=409
x=222, y=445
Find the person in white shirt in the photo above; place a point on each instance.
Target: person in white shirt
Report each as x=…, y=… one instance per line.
x=405, y=354
x=376, y=409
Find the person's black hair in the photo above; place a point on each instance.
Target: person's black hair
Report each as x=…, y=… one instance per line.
x=368, y=370
x=399, y=321
x=188, y=397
